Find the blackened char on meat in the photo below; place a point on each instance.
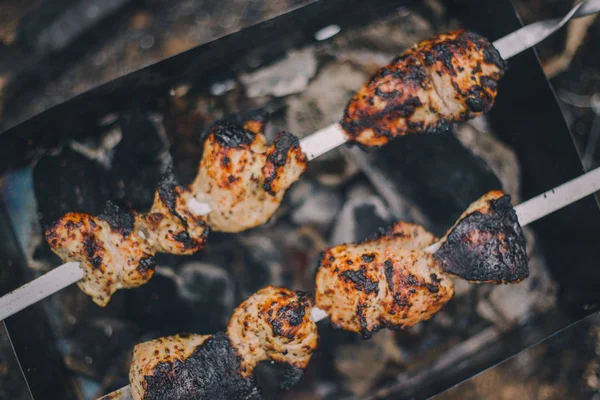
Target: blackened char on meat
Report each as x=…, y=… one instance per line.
x=449, y=78
x=230, y=134
x=119, y=219
x=486, y=246
x=168, y=194
x=211, y=372
x=283, y=143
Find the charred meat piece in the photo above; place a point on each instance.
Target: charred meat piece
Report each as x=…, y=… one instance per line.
x=274, y=324
x=386, y=282
x=184, y=367
x=486, y=244
x=116, y=249
x=450, y=78
x=108, y=248
x=171, y=225
x=242, y=178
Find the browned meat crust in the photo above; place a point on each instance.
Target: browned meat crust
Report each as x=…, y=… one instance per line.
x=171, y=226
x=450, y=78
x=387, y=282
x=242, y=178
x=185, y=367
x=486, y=244
x=273, y=324
x=108, y=247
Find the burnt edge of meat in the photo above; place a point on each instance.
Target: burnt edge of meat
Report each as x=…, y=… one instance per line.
x=490, y=54
x=278, y=158
x=290, y=315
x=212, y=371
x=411, y=74
x=92, y=246
x=167, y=192
x=486, y=261
x=290, y=377
x=184, y=238
x=146, y=264
x=119, y=219
x=230, y=133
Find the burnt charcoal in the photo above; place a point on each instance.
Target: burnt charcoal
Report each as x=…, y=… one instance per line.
x=363, y=215
x=209, y=289
x=434, y=171
x=95, y=345
x=314, y=204
x=274, y=377
x=164, y=304
x=284, y=77
x=263, y=264
x=69, y=182
x=139, y=158
x=361, y=363
x=211, y=372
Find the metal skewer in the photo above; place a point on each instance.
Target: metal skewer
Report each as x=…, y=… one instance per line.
x=329, y=138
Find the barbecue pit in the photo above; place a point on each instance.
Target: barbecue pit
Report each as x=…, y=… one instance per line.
x=344, y=197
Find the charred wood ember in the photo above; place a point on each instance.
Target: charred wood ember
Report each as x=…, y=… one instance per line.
x=242, y=179
x=273, y=324
x=389, y=281
x=69, y=183
x=450, y=78
x=140, y=157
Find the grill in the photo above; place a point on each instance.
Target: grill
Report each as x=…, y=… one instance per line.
x=115, y=141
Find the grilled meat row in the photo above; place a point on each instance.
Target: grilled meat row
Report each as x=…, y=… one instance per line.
x=240, y=177
x=452, y=77
x=393, y=280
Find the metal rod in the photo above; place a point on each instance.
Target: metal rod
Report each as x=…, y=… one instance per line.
x=532, y=34
x=40, y=288
x=559, y=197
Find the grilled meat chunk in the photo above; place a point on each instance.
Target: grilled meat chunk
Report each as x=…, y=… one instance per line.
x=184, y=367
x=450, y=78
x=274, y=324
x=109, y=250
x=386, y=282
x=242, y=178
x=117, y=248
x=486, y=244
x=171, y=225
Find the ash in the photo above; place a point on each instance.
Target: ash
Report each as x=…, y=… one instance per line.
x=344, y=196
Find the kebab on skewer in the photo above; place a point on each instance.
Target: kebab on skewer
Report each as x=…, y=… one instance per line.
x=242, y=181
x=242, y=178
x=393, y=280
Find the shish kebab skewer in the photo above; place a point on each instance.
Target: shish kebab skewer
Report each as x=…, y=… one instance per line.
x=389, y=281
x=389, y=113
